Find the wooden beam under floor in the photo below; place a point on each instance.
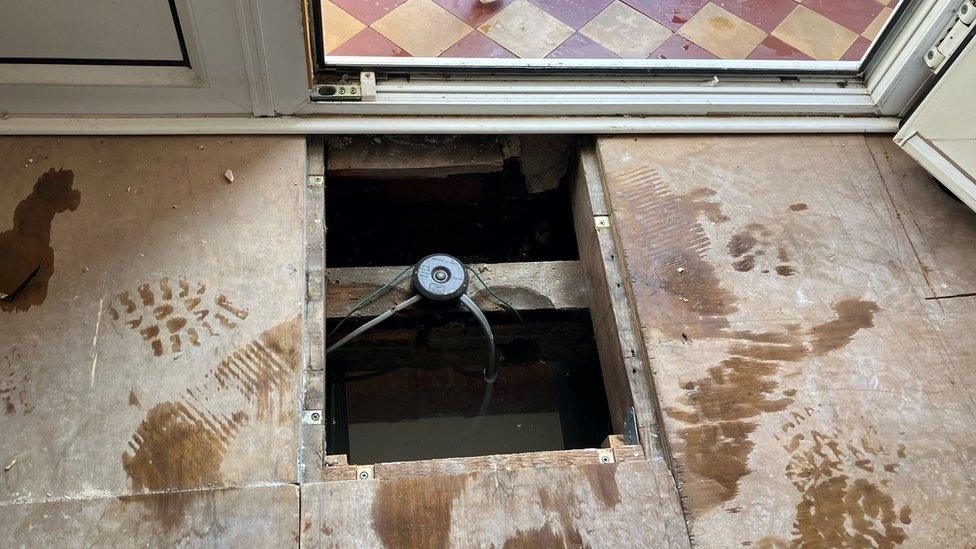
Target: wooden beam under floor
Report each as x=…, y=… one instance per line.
x=531, y=286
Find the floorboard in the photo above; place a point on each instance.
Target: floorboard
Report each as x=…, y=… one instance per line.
x=156, y=348
x=812, y=394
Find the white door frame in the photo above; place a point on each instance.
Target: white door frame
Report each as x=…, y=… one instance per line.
x=249, y=60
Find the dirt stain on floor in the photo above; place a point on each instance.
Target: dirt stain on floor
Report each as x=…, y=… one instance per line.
x=721, y=410
x=25, y=249
x=842, y=500
x=178, y=447
x=174, y=319
x=261, y=370
x=603, y=483
x=182, y=445
x=853, y=315
x=409, y=513
x=667, y=262
x=544, y=536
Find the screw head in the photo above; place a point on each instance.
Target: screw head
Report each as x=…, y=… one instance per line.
x=604, y=459
x=316, y=416
x=363, y=475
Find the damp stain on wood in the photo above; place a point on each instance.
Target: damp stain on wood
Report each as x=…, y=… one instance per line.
x=25, y=249
x=842, y=500
x=603, y=483
x=853, y=315
x=525, y=297
x=721, y=409
x=181, y=445
x=543, y=536
x=260, y=370
x=563, y=501
x=407, y=513
x=798, y=207
x=667, y=264
x=16, y=389
x=178, y=447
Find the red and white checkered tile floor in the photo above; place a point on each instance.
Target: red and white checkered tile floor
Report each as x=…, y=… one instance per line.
x=825, y=30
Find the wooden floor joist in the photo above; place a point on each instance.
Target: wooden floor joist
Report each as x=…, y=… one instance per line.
x=543, y=285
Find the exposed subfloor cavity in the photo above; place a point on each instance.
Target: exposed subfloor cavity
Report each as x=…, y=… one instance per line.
x=491, y=208
x=413, y=387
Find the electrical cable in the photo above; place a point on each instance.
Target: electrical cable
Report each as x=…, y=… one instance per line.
x=375, y=294
x=508, y=306
x=390, y=312
x=491, y=372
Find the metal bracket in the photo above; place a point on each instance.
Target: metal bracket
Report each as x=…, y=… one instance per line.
x=605, y=455
x=630, y=428
x=316, y=181
x=347, y=89
x=337, y=92
x=364, y=472
x=312, y=417
x=601, y=220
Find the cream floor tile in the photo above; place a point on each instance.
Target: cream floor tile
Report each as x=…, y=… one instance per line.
x=722, y=33
x=337, y=25
x=526, y=30
x=626, y=31
x=875, y=27
x=814, y=34
x=422, y=28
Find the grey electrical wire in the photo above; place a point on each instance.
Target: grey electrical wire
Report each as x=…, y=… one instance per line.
x=375, y=294
x=390, y=312
x=491, y=372
x=493, y=295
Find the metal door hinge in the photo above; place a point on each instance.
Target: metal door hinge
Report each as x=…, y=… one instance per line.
x=363, y=89
x=949, y=42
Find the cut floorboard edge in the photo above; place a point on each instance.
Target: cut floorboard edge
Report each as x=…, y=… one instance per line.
x=530, y=286
x=482, y=464
x=313, y=387
x=622, y=356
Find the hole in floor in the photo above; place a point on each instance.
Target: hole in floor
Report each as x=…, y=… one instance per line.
x=413, y=387
x=478, y=218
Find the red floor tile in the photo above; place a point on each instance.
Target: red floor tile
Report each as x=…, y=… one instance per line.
x=679, y=47
x=578, y=46
x=774, y=49
x=369, y=42
x=367, y=11
x=853, y=14
x=574, y=13
x=670, y=13
x=473, y=12
x=765, y=14
x=858, y=49
x=478, y=46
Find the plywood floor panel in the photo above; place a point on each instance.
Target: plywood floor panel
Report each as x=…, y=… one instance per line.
x=616, y=505
x=251, y=517
x=811, y=395
x=157, y=347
